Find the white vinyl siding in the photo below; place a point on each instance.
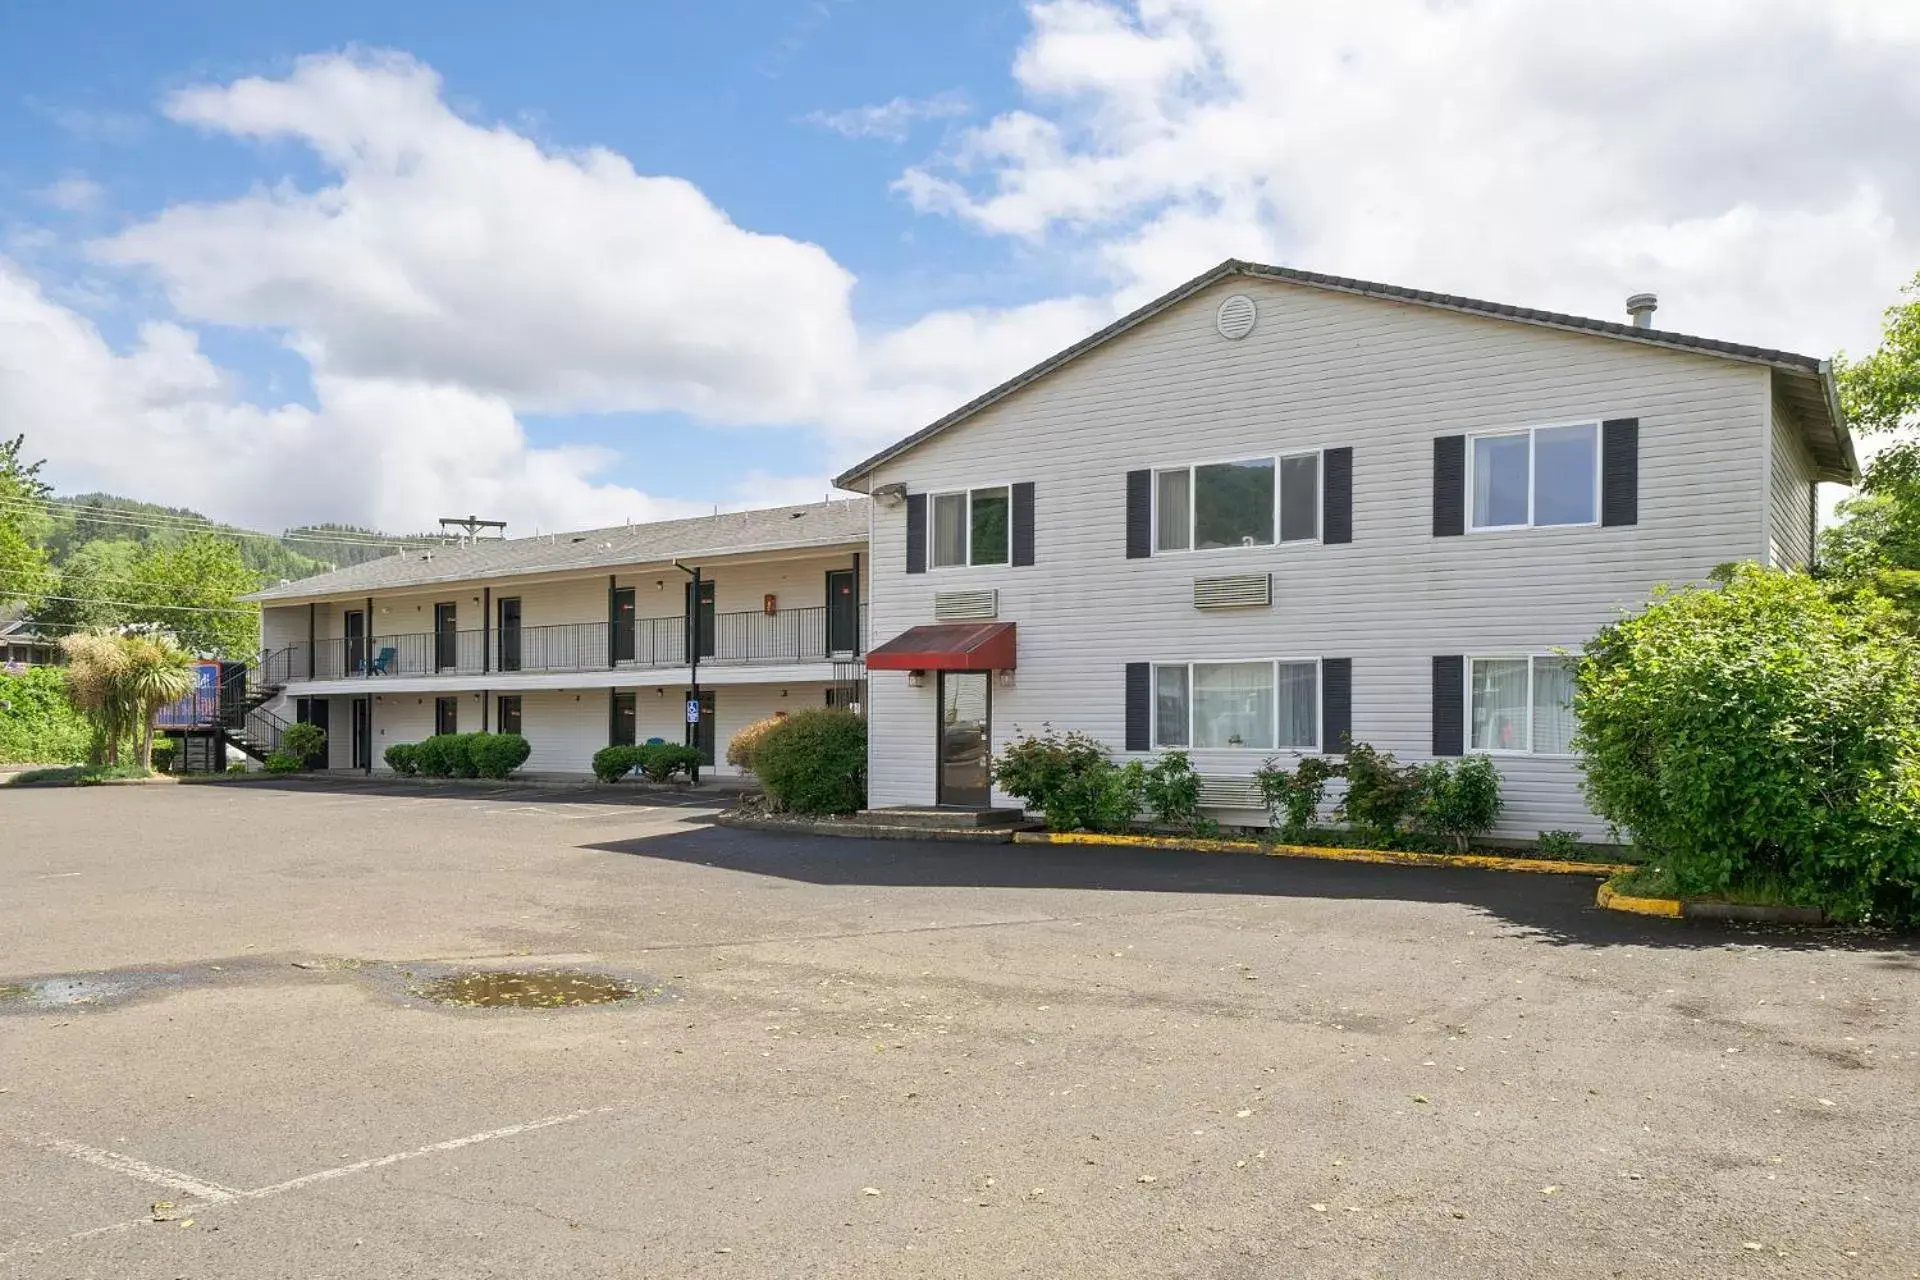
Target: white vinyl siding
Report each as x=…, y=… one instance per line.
x=1791, y=490
x=1321, y=369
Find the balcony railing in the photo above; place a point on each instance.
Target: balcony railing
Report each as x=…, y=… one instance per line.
x=727, y=639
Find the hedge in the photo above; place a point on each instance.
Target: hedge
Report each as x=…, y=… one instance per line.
x=815, y=761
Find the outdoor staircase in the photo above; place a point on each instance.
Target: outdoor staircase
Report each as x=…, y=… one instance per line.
x=245, y=722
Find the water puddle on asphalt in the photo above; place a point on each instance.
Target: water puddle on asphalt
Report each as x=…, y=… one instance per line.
x=540, y=989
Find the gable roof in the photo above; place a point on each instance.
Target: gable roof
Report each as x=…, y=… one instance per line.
x=813, y=524
x=1807, y=381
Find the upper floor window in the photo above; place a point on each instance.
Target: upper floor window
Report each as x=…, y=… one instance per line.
x=1540, y=476
x=1237, y=504
x=970, y=527
x=1521, y=705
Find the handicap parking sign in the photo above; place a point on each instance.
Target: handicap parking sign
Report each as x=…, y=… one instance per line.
x=693, y=711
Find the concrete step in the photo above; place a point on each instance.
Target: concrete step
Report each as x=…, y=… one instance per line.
x=939, y=819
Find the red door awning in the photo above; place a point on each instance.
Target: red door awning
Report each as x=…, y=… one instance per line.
x=947, y=646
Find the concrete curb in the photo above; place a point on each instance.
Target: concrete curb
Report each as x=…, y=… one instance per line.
x=1682, y=909
x=868, y=830
x=1393, y=857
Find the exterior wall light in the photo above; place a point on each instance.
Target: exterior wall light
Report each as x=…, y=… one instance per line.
x=916, y=679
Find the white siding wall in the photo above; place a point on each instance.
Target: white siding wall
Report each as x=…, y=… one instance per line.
x=1791, y=492
x=283, y=626
x=1320, y=370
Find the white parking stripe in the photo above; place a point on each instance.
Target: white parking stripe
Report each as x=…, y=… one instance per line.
x=451, y=1144
x=199, y=1189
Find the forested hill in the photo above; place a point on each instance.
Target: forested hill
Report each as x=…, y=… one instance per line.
x=297, y=553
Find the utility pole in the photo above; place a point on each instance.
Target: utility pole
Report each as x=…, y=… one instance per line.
x=471, y=526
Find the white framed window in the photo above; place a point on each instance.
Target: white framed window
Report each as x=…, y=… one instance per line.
x=1535, y=477
x=1249, y=502
x=1256, y=705
x=1520, y=705
x=972, y=527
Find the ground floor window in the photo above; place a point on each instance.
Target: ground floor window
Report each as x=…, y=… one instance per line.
x=446, y=715
x=1521, y=704
x=1261, y=705
x=508, y=718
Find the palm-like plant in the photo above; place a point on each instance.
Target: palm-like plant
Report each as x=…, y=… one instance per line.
x=118, y=681
x=96, y=676
x=158, y=672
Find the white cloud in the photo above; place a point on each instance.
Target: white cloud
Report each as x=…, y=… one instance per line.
x=1750, y=160
x=452, y=252
x=891, y=120
x=163, y=422
x=1747, y=159
x=73, y=194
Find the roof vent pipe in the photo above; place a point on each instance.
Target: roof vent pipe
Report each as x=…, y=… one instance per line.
x=1641, y=307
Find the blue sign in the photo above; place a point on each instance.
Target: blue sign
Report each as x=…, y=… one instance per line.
x=201, y=707
x=693, y=711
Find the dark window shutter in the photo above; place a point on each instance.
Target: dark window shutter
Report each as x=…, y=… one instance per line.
x=1449, y=486
x=1139, y=706
x=1336, y=514
x=1620, y=471
x=1139, y=515
x=916, y=533
x=1336, y=704
x=1449, y=705
x=1023, y=522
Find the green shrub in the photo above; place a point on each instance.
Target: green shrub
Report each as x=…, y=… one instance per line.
x=1381, y=794
x=661, y=761
x=403, y=758
x=164, y=750
x=1762, y=731
x=38, y=725
x=610, y=764
x=78, y=775
x=284, y=762
x=1071, y=780
x=497, y=755
x=446, y=755
x=305, y=741
x=1457, y=802
x=1558, y=844
x=237, y=766
x=1172, y=789
x=742, y=745
x=1293, y=797
x=815, y=761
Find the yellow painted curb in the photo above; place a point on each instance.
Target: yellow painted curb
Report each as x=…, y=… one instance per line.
x=1670, y=908
x=1398, y=857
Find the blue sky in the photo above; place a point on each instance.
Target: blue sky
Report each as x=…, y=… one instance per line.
x=226, y=279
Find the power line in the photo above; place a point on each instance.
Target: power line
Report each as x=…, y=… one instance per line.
x=80, y=510
x=147, y=604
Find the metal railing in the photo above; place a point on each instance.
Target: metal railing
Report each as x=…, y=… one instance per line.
x=791, y=635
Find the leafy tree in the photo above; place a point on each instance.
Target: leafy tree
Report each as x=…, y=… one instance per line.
x=1880, y=396
x=193, y=587
x=1762, y=732
x=24, y=573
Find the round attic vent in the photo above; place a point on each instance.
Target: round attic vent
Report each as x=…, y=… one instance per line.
x=1236, y=317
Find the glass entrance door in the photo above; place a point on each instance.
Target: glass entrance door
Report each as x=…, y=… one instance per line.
x=966, y=738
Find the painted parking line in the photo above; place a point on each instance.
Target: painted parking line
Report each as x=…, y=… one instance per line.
x=206, y=1194
x=199, y=1188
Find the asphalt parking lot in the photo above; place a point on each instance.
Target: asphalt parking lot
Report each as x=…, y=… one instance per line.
x=871, y=1059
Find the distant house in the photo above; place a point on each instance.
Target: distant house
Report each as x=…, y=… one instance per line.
x=578, y=640
x=23, y=644
x=1272, y=509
